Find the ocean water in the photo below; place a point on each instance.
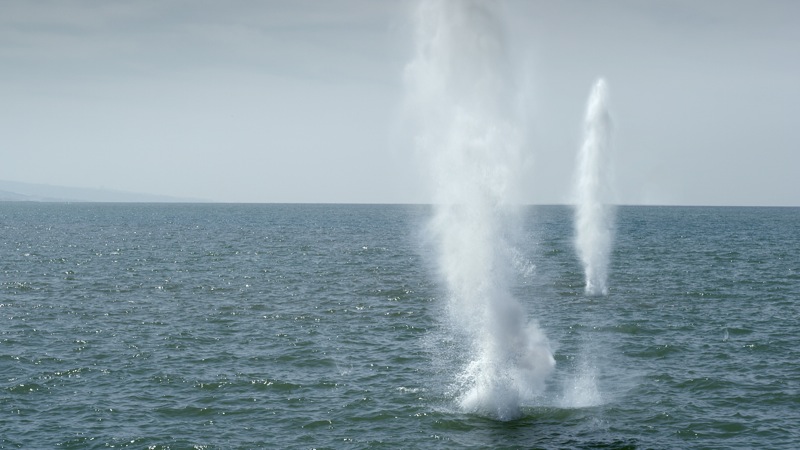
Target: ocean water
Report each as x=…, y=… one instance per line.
x=324, y=326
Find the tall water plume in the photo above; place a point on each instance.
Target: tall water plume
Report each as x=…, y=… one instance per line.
x=460, y=87
x=594, y=215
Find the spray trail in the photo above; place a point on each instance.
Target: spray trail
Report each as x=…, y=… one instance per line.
x=460, y=87
x=594, y=217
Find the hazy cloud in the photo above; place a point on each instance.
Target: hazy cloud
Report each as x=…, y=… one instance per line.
x=299, y=100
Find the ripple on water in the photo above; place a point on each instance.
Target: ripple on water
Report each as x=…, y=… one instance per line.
x=261, y=336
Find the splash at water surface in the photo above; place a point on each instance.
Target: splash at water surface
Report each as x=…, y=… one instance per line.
x=462, y=90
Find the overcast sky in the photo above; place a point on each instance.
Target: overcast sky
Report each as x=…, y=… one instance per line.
x=300, y=101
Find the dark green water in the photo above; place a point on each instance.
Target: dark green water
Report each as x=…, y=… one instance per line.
x=308, y=326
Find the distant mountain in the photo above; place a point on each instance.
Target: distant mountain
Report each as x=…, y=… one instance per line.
x=29, y=192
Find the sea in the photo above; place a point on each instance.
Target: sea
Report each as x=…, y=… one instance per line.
x=172, y=326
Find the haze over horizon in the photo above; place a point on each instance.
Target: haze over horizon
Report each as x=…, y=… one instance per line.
x=302, y=101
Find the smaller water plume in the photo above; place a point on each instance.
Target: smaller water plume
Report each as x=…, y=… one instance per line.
x=594, y=216
x=581, y=390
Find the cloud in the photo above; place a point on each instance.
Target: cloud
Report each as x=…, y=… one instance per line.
x=154, y=96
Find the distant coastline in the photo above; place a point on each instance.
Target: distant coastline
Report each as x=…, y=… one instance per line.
x=15, y=191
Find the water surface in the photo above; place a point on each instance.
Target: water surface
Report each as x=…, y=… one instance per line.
x=322, y=326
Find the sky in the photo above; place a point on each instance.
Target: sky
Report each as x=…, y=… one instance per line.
x=302, y=101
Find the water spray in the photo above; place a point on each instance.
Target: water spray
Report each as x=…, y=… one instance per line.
x=594, y=215
x=462, y=91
